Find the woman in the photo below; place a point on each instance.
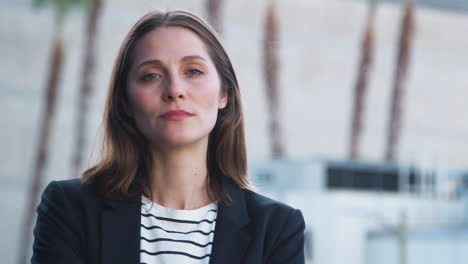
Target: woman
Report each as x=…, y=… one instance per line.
x=171, y=186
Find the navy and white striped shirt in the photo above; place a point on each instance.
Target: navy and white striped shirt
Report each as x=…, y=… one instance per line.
x=176, y=236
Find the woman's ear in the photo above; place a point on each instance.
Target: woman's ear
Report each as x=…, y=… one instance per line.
x=223, y=99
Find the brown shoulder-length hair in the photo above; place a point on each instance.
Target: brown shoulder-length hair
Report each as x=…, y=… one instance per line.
x=125, y=156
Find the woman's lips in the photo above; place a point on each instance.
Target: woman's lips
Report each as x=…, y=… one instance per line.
x=176, y=115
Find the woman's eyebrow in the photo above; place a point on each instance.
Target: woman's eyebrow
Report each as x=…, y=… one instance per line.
x=151, y=62
x=192, y=57
x=159, y=63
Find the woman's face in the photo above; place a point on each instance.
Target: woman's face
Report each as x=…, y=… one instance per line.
x=174, y=88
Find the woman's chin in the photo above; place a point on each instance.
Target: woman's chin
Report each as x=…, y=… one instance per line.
x=179, y=141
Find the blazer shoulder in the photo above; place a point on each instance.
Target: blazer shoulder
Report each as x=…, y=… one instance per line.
x=72, y=188
x=268, y=212
x=66, y=194
x=62, y=189
x=281, y=228
x=63, y=215
x=259, y=203
x=72, y=185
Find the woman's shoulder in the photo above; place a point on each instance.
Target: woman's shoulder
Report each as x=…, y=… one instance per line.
x=263, y=202
x=72, y=188
x=280, y=226
x=67, y=208
x=67, y=195
x=264, y=207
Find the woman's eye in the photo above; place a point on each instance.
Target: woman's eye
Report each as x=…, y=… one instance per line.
x=194, y=72
x=151, y=76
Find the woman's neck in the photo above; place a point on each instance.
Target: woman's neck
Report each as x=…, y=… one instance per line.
x=178, y=178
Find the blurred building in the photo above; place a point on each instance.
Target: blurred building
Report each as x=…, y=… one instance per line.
x=359, y=212
x=447, y=243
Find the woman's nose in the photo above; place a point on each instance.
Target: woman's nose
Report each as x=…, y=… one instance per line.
x=174, y=90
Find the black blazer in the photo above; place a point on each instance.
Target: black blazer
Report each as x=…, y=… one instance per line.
x=75, y=225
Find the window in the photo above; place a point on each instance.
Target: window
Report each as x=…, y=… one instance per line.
x=366, y=177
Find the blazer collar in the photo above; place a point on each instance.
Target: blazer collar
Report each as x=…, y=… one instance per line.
x=231, y=237
x=121, y=221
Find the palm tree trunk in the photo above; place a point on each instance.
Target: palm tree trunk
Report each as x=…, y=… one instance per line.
x=401, y=73
x=270, y=49
x=55, y=70
x=360, y=88
x=86, y=87
x=214, y=8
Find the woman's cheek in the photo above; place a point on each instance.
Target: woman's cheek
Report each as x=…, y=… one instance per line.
x=145, y=101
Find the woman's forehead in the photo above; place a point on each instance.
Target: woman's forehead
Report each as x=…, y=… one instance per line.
x=168, y=44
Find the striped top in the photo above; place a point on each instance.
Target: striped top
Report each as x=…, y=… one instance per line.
x=176, y=236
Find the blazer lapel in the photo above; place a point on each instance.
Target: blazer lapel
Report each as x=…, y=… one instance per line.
x=120, y=232
x=231, y=237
